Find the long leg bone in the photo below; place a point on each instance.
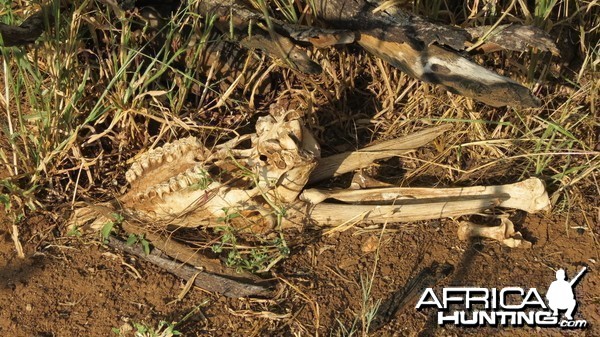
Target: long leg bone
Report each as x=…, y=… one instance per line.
x=327, y=214
x=528, y=195
x=398, y=204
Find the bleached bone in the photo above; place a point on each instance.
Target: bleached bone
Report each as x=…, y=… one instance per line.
x=352, y=160
x=528, y=195
x=504, y=233
x=329, y=214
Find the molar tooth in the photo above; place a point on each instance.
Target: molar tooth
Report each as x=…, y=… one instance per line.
x=130, y=176
x=144, y=161
x=162, y=189
x=191, y=175
x=183, y=182
x=167, y=148
x=182, y=178
x=170, y=153
x=151, y=153
x=184, y=147
x=151, y=193
x=192, y=143
x=156, y=158
x=173, y=184
x=180, y=147
x=137, y=168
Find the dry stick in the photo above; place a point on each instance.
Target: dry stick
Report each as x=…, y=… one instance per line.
x=349, y=161
x=214, y=283
x=15, y=237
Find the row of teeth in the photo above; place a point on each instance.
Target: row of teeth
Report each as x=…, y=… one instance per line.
x=154, y=157
x=190, y=177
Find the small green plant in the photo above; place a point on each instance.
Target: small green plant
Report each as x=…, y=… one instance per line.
x=164, y=329
x=74, y=231
x=259, y=258
x=139, y=238
x=204, y=180
x=369, y=307
x=108, y=227
x=5, y=201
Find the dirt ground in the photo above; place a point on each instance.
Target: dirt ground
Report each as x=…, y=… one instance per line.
x=77, y=287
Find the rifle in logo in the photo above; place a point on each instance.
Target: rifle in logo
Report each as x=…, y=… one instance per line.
x=576, y=278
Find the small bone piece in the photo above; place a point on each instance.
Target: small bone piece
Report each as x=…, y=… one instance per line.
x=504, y=233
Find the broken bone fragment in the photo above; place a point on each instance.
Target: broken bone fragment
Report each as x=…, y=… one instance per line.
x=504, y=233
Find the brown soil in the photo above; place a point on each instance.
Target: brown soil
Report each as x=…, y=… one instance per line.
x=77, y=287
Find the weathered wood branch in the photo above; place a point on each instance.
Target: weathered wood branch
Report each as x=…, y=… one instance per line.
x=513, y=37
x=413, y=45
x=189, y=255
x=422, y=49
x=408, y=42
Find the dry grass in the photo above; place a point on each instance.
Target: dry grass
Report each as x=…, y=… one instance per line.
x=97, y=89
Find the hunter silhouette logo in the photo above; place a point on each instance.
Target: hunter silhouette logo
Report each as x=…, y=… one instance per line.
x=508, y=306
x=560, y=294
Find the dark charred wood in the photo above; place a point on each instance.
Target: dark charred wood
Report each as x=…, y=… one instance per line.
x=28, y=32
x=390, y=24
x=226, y=286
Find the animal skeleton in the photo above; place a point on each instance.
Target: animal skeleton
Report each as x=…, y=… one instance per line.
x=262, y=177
